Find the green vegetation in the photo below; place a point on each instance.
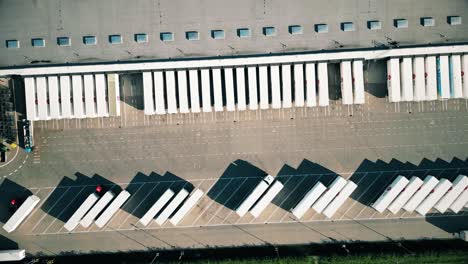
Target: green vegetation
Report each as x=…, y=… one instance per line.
x=427, y=258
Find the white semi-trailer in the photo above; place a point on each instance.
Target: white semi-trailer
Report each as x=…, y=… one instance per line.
x=309, y=199
x=254, y=195
x=266, y=199
x=441, y=188
x=21, y=213
x=334, y=188
x=393, y=80
x=340, y=198
x=405, y=194
x=390, y=193
x=459, y=184
x=187, y=206
x=112, y=209
x=157, y=206
x=81, y=211
x=429, y=183
x=97, y=208
x=460, y=202
x=12, y=255
x=172, y=206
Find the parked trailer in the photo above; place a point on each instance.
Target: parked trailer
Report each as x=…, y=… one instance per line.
x=390, y=193
x=253, y=97
x=148, y=96
x=187, y=206
x=12, y=255
x=430, y=78
x=429, y=183
x=393, y=80
x=464, y=72
x=358, y=82
x=309, y=199
x=97, y=208
x=172, y=206
x=407, y=192
x=157, y=206
x=182, y=89
x=328, y=196
x=322, y=83
x=112, y=209
x=455, y=76
x=418, y=79
x=460, y=202
x=254, y=195
x=442, y=187
x=266, y=199
x=81, y=211
x=406, y=73
x=459, y=184
x=21, y=213
x=443, y=80
x=346, y=83
x=311, y=91
x=340, y=198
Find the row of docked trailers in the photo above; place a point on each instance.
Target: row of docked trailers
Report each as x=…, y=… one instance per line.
x=252, y=87
x=421, y=196
x=323, y=199
x=72, y=96
x=427, y=78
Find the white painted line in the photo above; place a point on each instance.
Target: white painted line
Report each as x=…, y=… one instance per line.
x=50, y=209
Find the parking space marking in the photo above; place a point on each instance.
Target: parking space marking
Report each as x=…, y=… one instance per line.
x=138, y=205
x=63, y=210
x=286, y=198
x=50, y=209
x=227, y=201
x=365, y=191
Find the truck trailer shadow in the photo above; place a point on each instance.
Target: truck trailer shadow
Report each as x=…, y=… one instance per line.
x=145, y=190
x=373, y=178
x=9, y=191
x=71, y=193
x=237, y=181
x=297, y=182
x=7, y=244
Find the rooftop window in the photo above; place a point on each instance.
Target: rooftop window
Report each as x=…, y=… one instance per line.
x=427, y=21
x=269, y=31
x=295, y=30
x=321, y=28
x=141, y=37
x=454, y=20
x=38, y=42
x=217, y=34
x=63, y=41
x=347, y=26
x=243, y=33
x=166, y=36
x=12, y=44
x=192, y=35
x=374, y=25
x=89, y=40
x=115, y=39
x=400, y=23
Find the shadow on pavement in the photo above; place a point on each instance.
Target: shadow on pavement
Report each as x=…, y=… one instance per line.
x=237, y=181
x=373, y=177
x=10, y=190
x=145, y=190
x=297, y=182
x=7, y=244
x=71, y=193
